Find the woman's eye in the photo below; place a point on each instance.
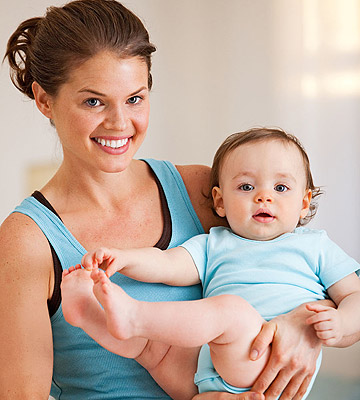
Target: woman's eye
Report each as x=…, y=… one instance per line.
x=92, y=102
x=134, y=99
x=281, y=188
x=246, y=187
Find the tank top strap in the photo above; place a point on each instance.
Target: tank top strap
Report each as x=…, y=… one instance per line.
x=60, y=238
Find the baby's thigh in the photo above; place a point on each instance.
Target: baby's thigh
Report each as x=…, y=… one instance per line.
x=230, y=352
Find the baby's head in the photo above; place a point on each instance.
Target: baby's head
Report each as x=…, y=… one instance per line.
x=262, y=183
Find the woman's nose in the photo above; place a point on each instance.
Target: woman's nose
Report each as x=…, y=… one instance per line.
x=116, y=119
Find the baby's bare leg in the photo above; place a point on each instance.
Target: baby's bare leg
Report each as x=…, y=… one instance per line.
x=81, y=308
x=230, y=352
x=228, y=323
x=173, y=368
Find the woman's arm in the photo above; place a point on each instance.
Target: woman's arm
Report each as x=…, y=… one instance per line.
x=26, y=357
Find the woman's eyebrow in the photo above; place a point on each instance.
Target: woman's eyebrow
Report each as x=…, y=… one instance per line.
x=86, y=90
x=95, y=92
x=139, y=90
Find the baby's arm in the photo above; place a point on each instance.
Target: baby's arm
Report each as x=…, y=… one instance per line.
x=173, y=266
x=334, y=326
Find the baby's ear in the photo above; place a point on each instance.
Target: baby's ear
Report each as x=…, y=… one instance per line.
x=306, y=203
x=218, y=201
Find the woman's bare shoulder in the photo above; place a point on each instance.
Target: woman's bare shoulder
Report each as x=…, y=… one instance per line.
x=19, y=227
x=23, y=246
x=197, y=182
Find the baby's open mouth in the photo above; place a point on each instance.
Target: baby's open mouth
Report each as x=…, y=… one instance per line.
x=263, y=216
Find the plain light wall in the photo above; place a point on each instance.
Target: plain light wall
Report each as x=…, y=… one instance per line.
x=221, y=67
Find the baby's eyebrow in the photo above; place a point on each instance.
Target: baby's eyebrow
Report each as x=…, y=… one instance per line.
x=244, y=174
x=287, y=176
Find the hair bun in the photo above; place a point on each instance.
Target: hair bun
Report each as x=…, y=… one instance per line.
x=19, y=54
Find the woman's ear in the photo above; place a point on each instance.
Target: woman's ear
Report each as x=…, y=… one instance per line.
x=218, y=201
x=42, y=99
x=306, y=203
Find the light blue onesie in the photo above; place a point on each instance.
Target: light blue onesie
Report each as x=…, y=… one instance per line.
x=274, y=276
x=83, y=370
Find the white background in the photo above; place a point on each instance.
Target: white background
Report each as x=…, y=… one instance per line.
x=224, y=66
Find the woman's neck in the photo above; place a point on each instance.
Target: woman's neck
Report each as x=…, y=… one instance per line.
x=76, y=187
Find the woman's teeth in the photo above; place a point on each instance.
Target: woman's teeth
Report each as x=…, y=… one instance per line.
x=114, y=144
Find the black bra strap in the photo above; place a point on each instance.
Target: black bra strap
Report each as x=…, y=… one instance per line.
x=42, y=199
x=55, y=301
x=163, y=242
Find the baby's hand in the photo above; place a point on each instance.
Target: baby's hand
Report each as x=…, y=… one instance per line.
x=100, y=258
x=327, y=323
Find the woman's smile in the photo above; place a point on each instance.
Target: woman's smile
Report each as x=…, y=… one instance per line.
x=113, y=143
x=113, y=146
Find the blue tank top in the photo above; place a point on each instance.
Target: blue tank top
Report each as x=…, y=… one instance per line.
x=82, y=368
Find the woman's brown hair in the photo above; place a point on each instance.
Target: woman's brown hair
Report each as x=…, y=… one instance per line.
x=45, y=49
x=261, y=134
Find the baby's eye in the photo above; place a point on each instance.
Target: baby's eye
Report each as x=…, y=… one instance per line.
x=134, y=99
x=281, y=188
x=246, y=187
x=93, y=102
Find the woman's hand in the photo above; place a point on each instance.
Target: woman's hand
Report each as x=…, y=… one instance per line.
x=292, y=363
x=229, y=396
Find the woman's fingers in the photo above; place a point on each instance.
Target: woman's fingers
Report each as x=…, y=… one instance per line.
x=297, y=389
x=262, y=340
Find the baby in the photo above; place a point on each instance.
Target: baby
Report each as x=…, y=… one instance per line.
x=265, y=264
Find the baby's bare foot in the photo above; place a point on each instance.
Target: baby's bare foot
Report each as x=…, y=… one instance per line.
x=77, y=294
x=120, y=309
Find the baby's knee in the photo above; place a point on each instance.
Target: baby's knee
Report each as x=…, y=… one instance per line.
x=239, y=309
x=232, y=302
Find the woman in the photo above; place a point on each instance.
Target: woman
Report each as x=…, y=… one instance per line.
x=87, y=66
